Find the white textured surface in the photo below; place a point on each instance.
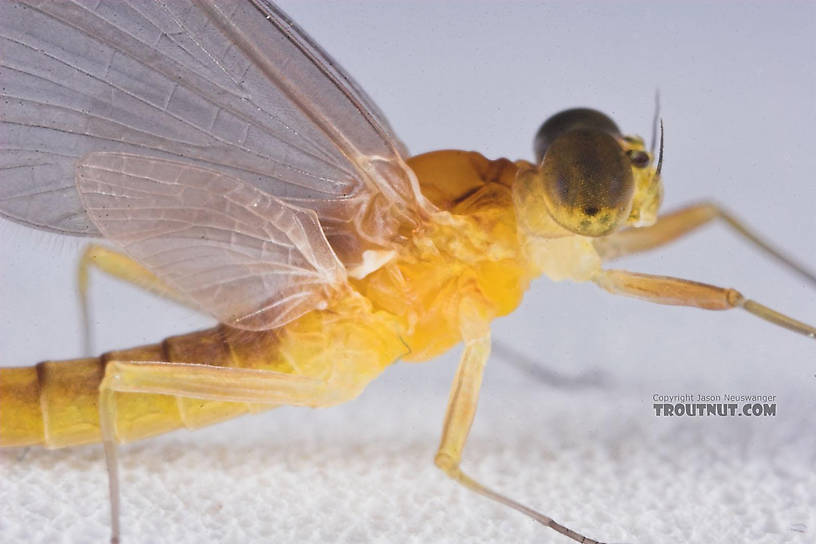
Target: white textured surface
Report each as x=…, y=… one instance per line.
x=738, y=85
x=362, y=473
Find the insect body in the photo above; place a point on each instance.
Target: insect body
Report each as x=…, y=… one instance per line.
x=469, y=257
x=245, y=174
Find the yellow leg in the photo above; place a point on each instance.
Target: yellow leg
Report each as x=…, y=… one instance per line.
x=462, y=404
x=681, y=222
x=200, y=382
x=676, y=291
x=119, y=266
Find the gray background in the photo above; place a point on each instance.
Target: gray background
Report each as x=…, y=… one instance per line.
x=739, y=103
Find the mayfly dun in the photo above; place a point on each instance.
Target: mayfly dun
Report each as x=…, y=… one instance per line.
x=232, y=165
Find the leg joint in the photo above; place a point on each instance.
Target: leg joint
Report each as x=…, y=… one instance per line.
x=446, y=463
x=734, y=297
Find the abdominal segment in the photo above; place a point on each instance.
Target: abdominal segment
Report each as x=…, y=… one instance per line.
x=56, y=403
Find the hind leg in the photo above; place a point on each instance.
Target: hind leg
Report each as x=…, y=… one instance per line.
x=119, y=266
x=203, y=382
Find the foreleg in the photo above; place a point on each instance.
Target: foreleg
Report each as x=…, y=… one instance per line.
x=680, y=292
x=676, y=224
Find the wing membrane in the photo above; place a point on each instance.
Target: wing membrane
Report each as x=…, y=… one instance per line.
x=249, y=259
x=230, y=86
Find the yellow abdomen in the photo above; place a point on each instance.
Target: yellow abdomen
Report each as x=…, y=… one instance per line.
x=410, y=308
x=55, y=403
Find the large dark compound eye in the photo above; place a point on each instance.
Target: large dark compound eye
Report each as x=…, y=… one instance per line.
x=568, y=120
x=587, y=181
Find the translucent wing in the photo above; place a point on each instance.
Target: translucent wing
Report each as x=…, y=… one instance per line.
x=218, y=240
x=225, y=85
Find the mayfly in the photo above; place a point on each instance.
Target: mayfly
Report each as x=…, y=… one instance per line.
x=235, y=167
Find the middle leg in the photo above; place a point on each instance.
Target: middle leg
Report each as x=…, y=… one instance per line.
x=461, y=411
